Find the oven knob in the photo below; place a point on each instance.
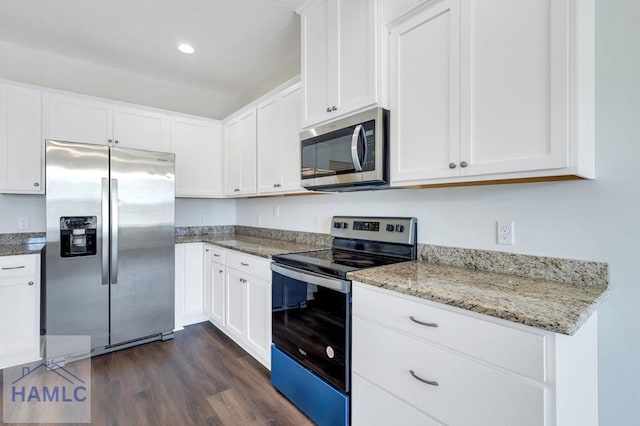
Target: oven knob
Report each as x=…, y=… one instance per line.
x=345, y=225
x=399, y=228
x=336, y=225
x=390, y=228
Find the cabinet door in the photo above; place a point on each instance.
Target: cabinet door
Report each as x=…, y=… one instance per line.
x=197, y=145
x=425, y=95
x=217, y=277
x=240, y=154
x=291, y=149
x=194, y=309
x=21, y=147
x=235, y=296
x=20, y=307
x=232, y=158
x=270, y=127
x=316, y=68
x=354, y=84
x=78, y=119
x=141, y=129
x=258, y=317
x=514, y=85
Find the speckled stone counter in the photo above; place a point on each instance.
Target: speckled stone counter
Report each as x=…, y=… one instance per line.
x=21, y=243
x=549, y=305
x=263, y=247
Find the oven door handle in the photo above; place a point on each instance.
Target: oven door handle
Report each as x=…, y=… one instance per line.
x=343, y=286
x=355, y=152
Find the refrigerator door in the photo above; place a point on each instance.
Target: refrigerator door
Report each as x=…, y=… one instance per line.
x=143, y=239
x=76, y=294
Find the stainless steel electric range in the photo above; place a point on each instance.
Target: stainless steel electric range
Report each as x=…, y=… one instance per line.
x=311, y=311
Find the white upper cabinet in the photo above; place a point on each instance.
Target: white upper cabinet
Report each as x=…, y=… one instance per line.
x=240, y=154
x=78, y=119
x=279, y=142
x=141, y=129
x=86, y=120
x=339, y=58
x=425, y=99
x=491, y=90
x=197, y=145
x=21, y=148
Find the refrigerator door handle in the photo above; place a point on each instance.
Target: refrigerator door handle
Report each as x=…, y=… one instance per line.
x=105, y=231
x=114, y=231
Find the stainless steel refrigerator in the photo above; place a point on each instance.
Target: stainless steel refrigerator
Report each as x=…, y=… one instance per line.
x=110, y=245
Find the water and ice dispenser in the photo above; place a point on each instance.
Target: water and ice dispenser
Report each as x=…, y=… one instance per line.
x=78, y=236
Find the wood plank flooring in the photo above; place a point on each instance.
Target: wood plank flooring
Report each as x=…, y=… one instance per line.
x=199, y=378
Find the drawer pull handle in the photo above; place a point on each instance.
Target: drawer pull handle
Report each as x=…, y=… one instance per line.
x=13, y=267
x=426, y=324
x=244, y=264
x=216, y=255
x=420, y=379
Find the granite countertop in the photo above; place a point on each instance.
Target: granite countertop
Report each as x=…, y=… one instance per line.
x=262, y=247
x=549, y=305
x=21, y=248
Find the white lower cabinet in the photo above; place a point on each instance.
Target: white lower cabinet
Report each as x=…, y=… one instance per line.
x=248, y=304
x=215, y=283
x=20, y=307
x=190, y=285
x=237, y=298
x=419, y=362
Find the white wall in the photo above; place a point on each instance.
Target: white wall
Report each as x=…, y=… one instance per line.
x=197, y=212
x=33, y=66
x=592, y=220
x=14, y=206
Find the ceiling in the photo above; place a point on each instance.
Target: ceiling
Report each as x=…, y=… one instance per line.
x=240, y=45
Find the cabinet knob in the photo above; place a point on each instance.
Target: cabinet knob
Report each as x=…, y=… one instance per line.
x=452, y=165
x=36, y=184
x=110, y=140
x=328, y=109
x=464, y=164
x=30, y=282
x=236, y=190
x=333, y=108
x=207, y=250
x=220, y=271
x=117, y=141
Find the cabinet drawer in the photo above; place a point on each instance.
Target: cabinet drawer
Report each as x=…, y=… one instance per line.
x=513, y=349
x=372, y=406
x=217, y=253
x=248, y=264
x=466, y=392
x=17, y=266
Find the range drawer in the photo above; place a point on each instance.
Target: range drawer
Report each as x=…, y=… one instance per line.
x=13, y=267
x=248, y=264
x=467, y=392
x=217, y=253
x=513, y=349
x=372, y=406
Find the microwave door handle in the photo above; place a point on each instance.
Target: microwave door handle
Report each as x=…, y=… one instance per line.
x=354, y=147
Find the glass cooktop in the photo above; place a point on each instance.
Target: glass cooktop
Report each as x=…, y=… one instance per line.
x=333, y=262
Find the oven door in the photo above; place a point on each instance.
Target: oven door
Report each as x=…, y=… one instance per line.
x=311, y=321
x=347, y=152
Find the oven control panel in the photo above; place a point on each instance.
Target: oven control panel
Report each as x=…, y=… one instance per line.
x=389, y=229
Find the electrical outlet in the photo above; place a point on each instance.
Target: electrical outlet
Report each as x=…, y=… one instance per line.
x=505, y=233
x=23, y=222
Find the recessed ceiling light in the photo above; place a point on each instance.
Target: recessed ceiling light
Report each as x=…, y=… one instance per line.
x=186, y=48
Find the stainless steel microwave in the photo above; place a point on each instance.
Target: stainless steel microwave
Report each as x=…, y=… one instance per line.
x=348, y=154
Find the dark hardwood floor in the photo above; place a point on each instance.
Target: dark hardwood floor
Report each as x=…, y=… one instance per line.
x=199, y=378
